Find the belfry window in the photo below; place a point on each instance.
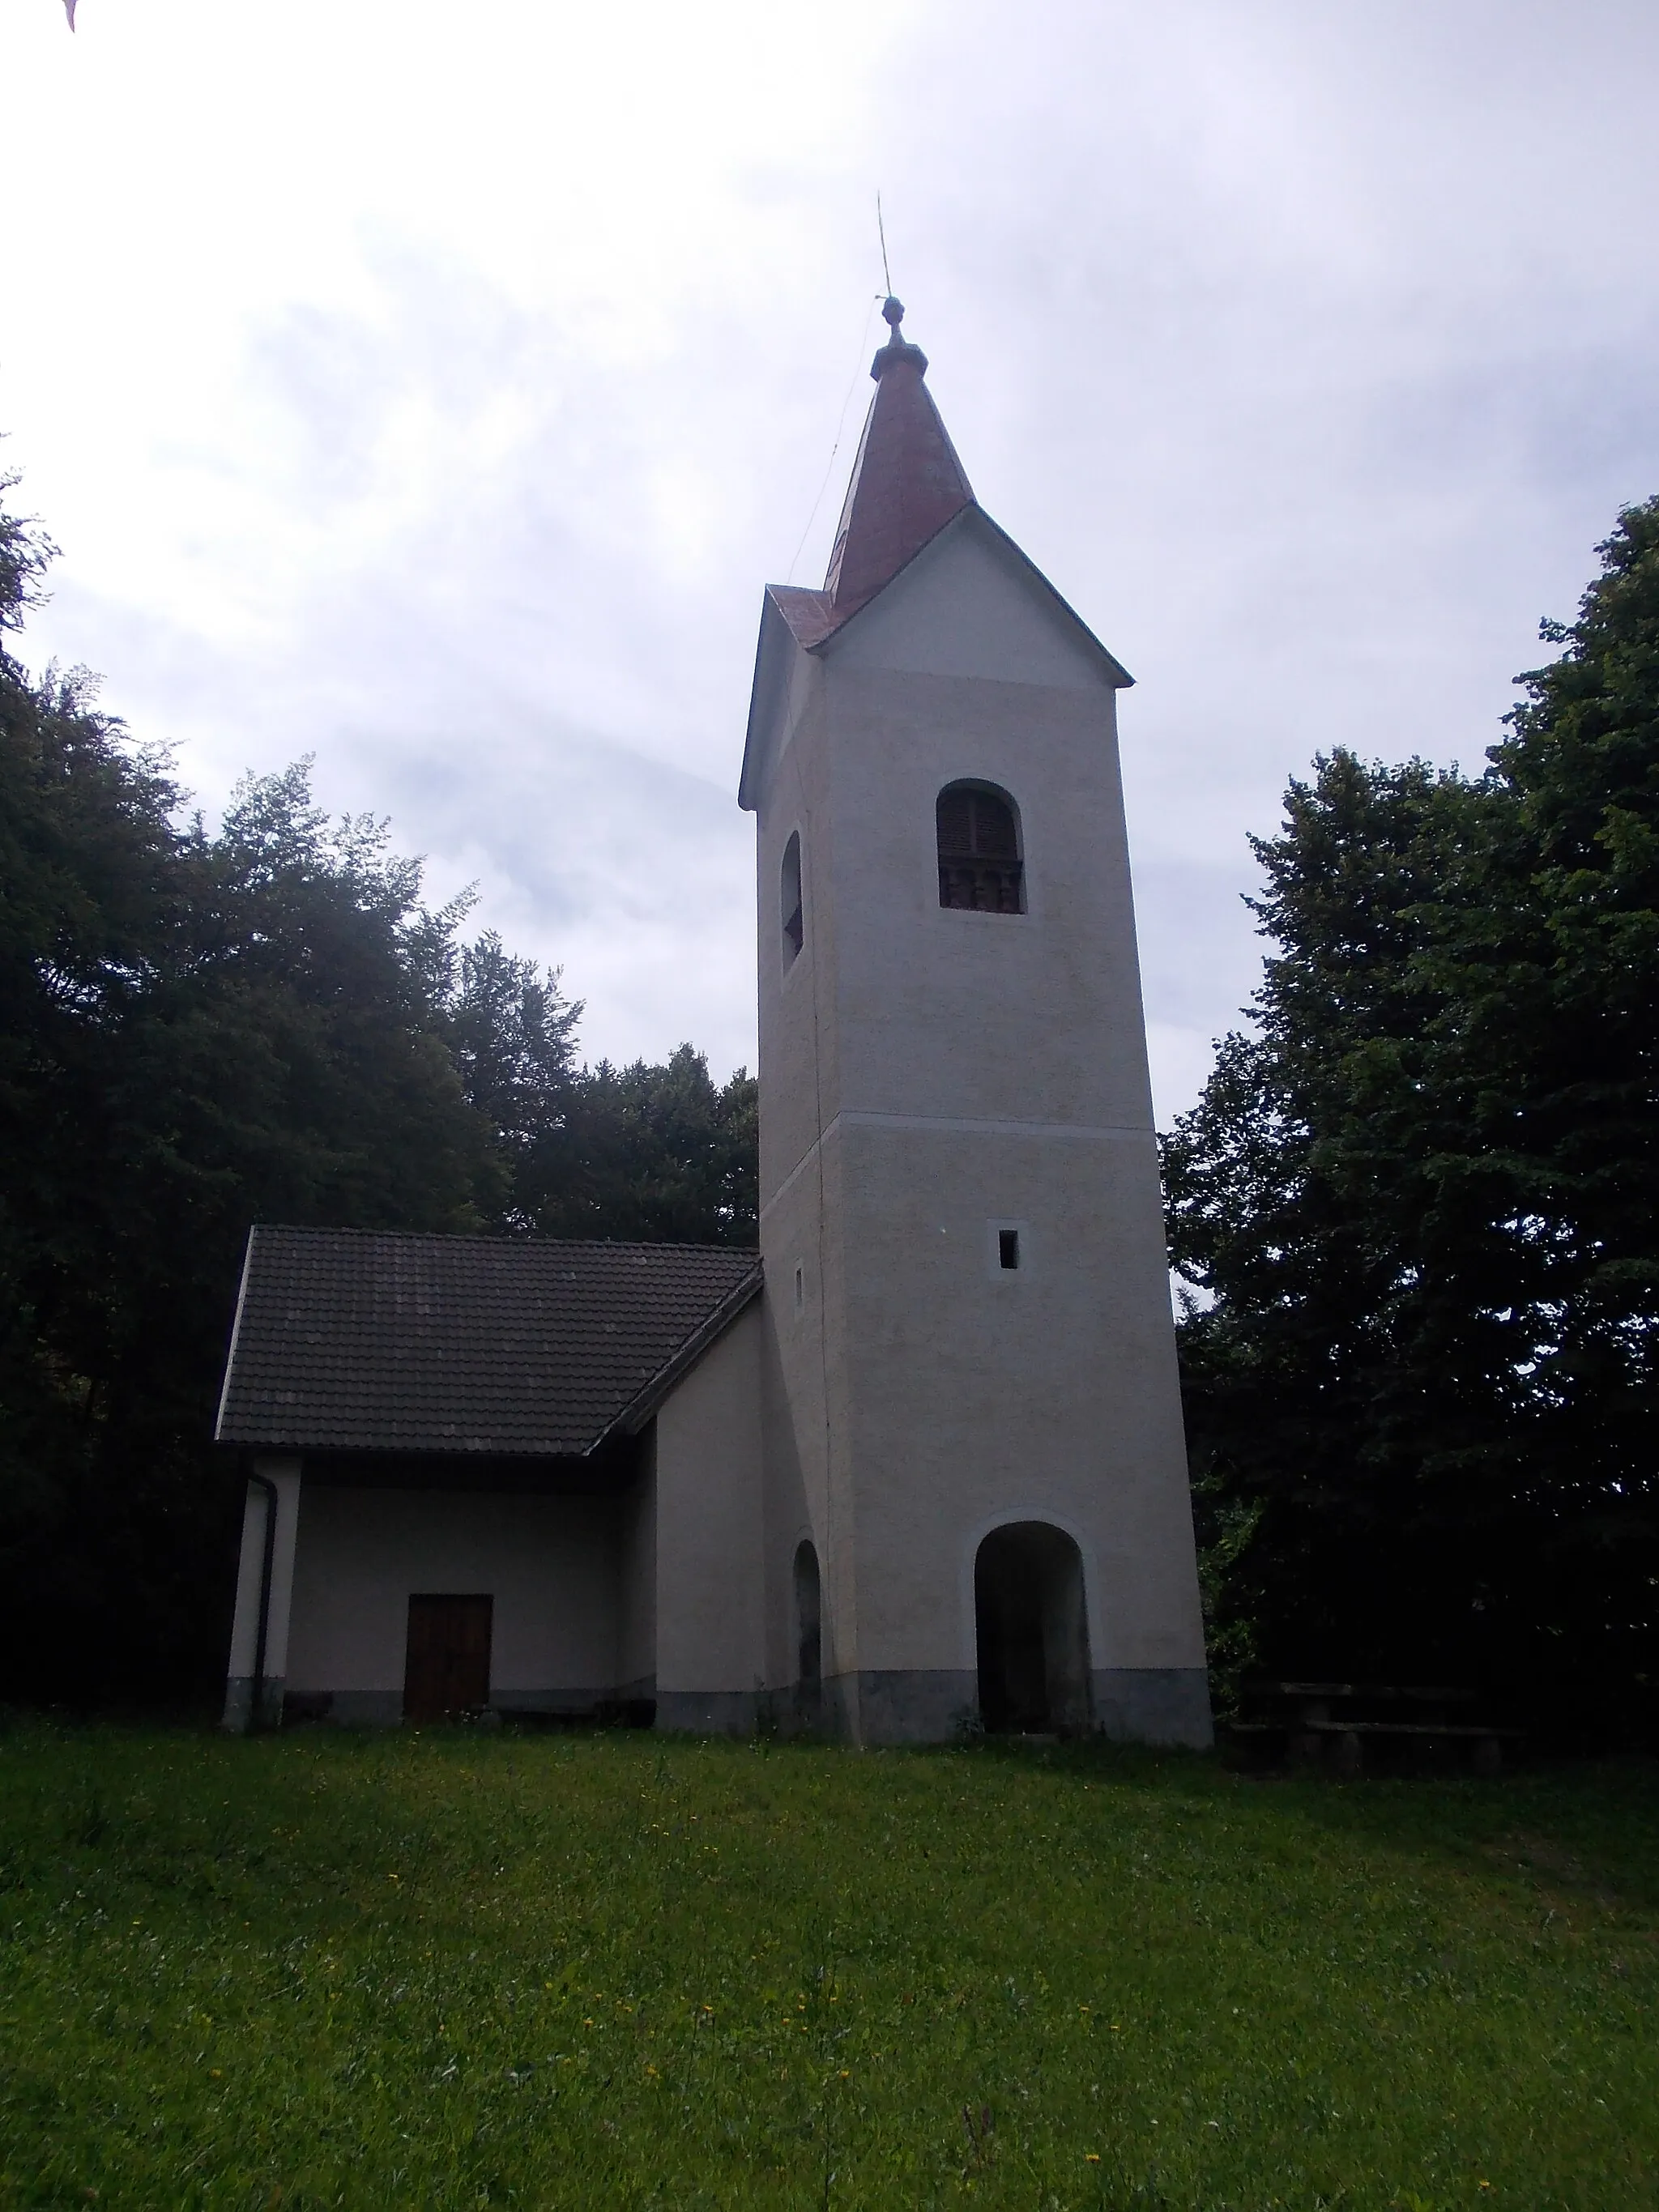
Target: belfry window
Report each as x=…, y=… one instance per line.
x=794, y=935
x=980, y=865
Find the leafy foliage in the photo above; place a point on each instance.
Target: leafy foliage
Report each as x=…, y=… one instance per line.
x=1422, y=1201
x=201, y=1029
x=655, y=1153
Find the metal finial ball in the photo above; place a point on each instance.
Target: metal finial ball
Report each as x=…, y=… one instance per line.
x=893, y=312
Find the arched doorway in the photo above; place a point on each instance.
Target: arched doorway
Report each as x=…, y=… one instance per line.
x=809, y=1638
x=1032, y=1630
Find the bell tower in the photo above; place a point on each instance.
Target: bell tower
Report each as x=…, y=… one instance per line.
x=975, y=1479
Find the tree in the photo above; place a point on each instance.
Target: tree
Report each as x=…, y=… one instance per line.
x=1419, y=1200
x=654, y=1153
x=644, y=1153
x=512, y=1037
x=84, y=834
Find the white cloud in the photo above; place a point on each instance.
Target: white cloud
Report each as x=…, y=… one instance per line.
x=436, y=389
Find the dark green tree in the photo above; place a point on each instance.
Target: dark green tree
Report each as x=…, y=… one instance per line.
x=268, y=1045
x=513, y=1036
x=651, y=1153
x=660, y=1154
x=84, y=843
x=1419, y=1200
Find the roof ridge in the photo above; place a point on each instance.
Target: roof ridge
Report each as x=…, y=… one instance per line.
x=504, y=1243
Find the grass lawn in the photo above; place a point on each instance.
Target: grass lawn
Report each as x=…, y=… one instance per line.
x=449, y=1969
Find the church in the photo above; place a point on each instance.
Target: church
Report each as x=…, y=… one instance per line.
x=915, y=1468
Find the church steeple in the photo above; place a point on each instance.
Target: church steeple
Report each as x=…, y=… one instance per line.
x=971, y=1415
x=906, y=482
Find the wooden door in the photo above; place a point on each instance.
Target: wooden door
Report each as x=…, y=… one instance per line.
x=447, y=1668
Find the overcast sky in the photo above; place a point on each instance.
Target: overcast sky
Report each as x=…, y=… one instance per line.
x=433, y=388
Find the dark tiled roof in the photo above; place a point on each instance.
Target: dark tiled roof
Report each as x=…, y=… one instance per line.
x=352, y=1339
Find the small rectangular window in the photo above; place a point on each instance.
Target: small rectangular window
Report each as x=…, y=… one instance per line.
x=800, y=1288
x=1008, y=1247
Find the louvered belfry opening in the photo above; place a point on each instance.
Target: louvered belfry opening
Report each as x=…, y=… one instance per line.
x=980, y=867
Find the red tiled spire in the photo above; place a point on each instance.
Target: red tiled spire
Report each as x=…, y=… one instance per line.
x=907, y=481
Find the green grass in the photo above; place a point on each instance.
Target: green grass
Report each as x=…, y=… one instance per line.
x=450, y=1970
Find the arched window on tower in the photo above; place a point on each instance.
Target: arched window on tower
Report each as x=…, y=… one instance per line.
x=980, y=865
x=794, y=933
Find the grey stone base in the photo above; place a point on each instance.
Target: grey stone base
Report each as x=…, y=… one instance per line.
x=709, y=1712
x=566, y=1701
x=902, y=1704
x=384, y=1708
x=367, y=1708
x=1154, y=1704
x=800, y=1710
x=239, y=1714
x=1132, y=1705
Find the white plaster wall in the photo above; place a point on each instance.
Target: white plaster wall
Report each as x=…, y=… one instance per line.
x=794, y=1419
x=793, y=1480
x=550, y=1564
x=797, y=1026
x=1029, y=1017
x=975, y=1393
x=637, y=1578
x=808, y=1434
x=709, y=1603
x=968, y=605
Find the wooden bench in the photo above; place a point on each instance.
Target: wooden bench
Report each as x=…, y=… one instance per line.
x=1316, y=1735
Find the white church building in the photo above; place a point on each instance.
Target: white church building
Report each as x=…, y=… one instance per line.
x=915, y=1467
